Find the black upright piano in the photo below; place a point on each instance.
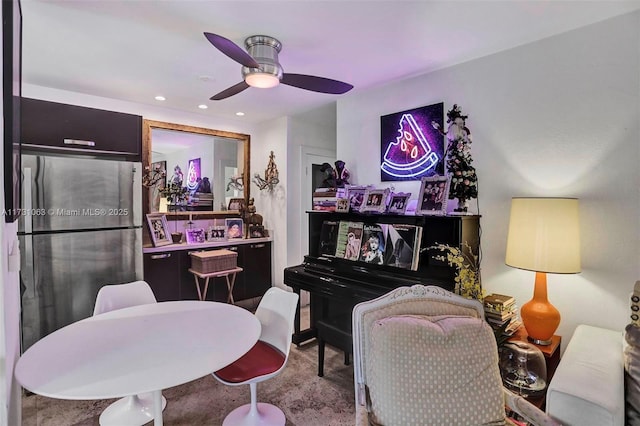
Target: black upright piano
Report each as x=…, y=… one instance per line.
x=336, y=284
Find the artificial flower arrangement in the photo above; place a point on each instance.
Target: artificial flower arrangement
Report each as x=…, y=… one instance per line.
x=175, y=193
x=467, y=264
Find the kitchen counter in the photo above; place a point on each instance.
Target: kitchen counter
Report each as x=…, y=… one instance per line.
x=206, y=245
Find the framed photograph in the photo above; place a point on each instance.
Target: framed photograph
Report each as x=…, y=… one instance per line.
x=375, y=200
x=342, y=205
x=398, y=202
x=355, y=194
x=159, y=229
x=256, y=231
x=236, y=204
x=195, y=236
x=433, y=196
x=217, y=233
x=234, y=228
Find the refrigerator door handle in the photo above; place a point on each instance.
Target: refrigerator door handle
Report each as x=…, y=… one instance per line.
x=136, y=181
x=27, y=202
x=79, y=142
x=27, y=271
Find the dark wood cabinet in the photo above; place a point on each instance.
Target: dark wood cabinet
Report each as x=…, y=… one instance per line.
x=162, y=272
x=169, y=276
x=257, y=269
x=79, y=129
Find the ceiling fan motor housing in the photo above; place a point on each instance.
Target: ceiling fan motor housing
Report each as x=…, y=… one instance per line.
x=264, y=50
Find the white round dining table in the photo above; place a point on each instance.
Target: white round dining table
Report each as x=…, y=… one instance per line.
x=144, y=348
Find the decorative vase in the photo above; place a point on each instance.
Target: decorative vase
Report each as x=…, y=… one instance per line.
x=176, y=237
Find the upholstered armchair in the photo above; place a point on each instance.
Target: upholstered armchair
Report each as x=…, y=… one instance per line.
x=425, y=356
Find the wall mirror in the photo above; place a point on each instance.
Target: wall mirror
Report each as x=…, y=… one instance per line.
x=211, y=162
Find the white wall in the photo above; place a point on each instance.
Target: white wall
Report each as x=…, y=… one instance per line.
x=310, y=131
x=272, y=205
x=558, y=117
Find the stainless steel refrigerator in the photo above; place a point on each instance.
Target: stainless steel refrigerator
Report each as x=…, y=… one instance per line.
x=80, y=228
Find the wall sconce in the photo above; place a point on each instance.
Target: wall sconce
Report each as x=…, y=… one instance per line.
x=270, y=176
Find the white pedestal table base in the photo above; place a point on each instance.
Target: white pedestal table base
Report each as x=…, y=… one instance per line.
x=135, y=410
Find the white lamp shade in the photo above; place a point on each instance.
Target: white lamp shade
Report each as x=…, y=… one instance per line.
x=544, y=235
x=262, y=80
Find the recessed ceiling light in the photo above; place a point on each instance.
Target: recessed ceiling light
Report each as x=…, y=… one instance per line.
x=202, y=106
x=160, y=98
x=239, y=113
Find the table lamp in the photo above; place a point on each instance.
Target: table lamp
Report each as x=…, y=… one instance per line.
x=543, y=237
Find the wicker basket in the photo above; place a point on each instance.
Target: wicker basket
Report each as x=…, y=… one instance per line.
x=213, y=261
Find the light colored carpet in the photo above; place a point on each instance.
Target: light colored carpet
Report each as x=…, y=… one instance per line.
x=305, y=398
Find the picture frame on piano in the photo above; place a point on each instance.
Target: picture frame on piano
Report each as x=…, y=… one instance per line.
x=433, y=196
x=355, y=194
x=375, y=200
x=398, y=202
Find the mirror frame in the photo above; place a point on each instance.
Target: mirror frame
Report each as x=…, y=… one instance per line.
x=149, y=125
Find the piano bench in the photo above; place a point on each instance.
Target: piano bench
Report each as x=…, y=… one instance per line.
x=331, y=333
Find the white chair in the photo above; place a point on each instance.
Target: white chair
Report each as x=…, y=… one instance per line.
x=265, y=360
x=134, y=410
x=425, y=356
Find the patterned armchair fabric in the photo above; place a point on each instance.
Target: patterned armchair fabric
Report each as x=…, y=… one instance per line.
x=425, y=356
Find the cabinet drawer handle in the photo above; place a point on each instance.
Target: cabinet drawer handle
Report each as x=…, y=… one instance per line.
x=233, y=248
x=79, y=142
x=160, y=256
x=256, y=246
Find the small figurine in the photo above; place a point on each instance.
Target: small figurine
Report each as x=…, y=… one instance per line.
x=342, y=174
x=334, y=178
x=329, y=180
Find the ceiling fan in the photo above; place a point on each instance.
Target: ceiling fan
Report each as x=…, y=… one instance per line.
x=260, y=67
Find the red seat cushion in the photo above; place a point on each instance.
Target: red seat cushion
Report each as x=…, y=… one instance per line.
x=261, y=359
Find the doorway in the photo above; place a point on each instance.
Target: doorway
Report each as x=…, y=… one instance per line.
x=311, y=161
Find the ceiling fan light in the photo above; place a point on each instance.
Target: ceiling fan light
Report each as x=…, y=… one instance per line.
x=262, y=80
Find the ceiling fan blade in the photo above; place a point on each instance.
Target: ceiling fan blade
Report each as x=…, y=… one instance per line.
x=316, y=84
x=232, y=50
x=233, y=90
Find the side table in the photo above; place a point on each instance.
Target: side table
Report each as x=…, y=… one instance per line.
x=551, y=357
x=202, y=295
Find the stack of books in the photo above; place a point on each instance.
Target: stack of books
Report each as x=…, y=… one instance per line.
x=500, y=311
x=324, y=199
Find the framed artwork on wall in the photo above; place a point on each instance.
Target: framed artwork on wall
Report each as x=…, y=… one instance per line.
x=193, y=174
x=158, y=172
x=433, y=196
x=411, y=146
x=158, y=229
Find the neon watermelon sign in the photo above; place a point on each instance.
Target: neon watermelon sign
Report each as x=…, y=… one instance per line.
x=411, y=148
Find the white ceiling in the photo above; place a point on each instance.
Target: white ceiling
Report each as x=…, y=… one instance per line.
x=136, y=49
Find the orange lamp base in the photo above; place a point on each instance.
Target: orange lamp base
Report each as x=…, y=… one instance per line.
x=540, y=318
